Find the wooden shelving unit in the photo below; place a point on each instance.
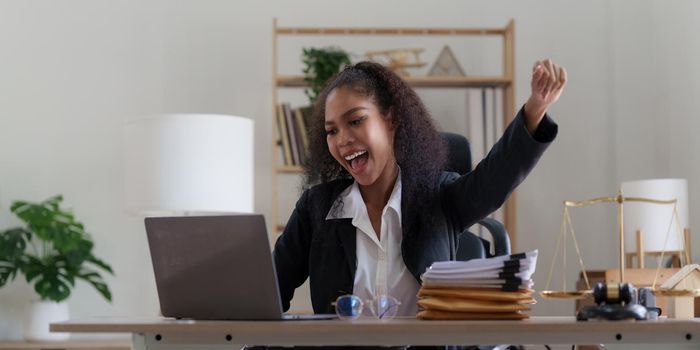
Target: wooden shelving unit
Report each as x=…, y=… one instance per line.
x=418, y=81
x=506, y=81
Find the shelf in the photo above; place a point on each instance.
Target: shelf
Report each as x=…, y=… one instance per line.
x=419, y=81
x=290, y=169
x=389, y=31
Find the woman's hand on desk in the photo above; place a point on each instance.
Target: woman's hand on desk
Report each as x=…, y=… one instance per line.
x=548, y=81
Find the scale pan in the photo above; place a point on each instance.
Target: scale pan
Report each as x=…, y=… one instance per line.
x=556, y=294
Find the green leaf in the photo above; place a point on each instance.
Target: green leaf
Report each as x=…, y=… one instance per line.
x=13, y=242
x=96, y=281
x=79, y=252
x=50, y=284
x=32, y=268
x=54, y=201
x=50, y=287
x=18, y=206
x=100, y=263
x=8, y=271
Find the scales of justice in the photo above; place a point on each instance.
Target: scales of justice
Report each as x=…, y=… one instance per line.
x=567, y=229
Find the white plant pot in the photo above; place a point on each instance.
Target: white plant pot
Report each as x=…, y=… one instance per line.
x=37, y=317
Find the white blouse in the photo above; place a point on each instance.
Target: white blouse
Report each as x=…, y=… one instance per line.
x=380, y=266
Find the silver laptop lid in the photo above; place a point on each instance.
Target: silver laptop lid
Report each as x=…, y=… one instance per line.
x=214, y=267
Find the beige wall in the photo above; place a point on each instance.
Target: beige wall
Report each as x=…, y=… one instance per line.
x=71, y=72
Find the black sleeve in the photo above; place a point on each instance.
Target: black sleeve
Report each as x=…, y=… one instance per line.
x=291, y=252
x=546, y=130
x=478, y=193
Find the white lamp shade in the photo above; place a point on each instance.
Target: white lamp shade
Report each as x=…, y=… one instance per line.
x=189, y=163
x=654, y=219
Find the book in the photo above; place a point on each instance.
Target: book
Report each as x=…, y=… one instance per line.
x=304, y=133
x=300, y=134
x=294, y=146
x=284, y=138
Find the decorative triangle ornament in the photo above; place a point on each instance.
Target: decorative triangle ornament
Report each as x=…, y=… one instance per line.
x=446, y=64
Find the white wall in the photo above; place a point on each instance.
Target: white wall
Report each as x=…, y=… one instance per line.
x=656, y=88
x=72, y=72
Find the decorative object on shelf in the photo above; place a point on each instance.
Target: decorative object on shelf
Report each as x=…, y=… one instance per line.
x=646, y=223
x=319, y=66
x=568, y=229
x=446, y=64
x=52, y=250
x=189, y=163
x=682, y=288
x=398, y=60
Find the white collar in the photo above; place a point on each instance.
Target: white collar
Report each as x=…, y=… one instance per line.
x=350, y=205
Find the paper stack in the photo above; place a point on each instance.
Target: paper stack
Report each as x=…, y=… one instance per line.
x=498, y=288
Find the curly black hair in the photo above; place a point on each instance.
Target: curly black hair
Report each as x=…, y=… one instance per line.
x=418, y=147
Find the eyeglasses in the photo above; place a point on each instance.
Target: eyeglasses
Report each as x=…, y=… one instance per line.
x=349, y=307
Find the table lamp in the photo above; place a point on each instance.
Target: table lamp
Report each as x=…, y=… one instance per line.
x=180, y=164
x=652, y=226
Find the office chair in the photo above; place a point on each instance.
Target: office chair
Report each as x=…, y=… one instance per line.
x=469, y=245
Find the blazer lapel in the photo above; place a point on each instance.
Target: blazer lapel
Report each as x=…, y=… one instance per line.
x=347, y=235
x=408, y=232
x=408, y=216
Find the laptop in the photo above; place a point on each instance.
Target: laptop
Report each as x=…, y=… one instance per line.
x=215, y=268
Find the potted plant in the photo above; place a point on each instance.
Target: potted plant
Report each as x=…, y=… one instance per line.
x=319, y=66
x=52, y=251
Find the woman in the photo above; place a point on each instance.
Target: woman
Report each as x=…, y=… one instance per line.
x=383, y=209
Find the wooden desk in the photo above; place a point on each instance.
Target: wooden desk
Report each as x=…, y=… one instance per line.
x=155, y=333
x=67, y=345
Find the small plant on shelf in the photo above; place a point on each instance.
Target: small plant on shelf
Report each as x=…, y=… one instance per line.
x=52, y=251
x=320, y=64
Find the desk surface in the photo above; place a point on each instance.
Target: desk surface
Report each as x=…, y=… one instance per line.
x=67, y=345
x=400, y=331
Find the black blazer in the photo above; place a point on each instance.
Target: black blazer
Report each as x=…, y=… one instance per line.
x=324, y=250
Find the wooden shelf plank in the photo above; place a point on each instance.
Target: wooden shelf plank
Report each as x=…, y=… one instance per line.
x=419, y=81
x=388, y=31
x=290, y=169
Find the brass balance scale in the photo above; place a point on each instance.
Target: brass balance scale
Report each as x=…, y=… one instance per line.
x=567, y=227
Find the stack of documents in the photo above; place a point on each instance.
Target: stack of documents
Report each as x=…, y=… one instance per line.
x=498, y=288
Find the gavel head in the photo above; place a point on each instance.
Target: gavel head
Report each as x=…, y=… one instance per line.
x=613, y=293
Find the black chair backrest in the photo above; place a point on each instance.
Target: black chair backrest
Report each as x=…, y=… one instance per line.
x=470, y=246
x=459, y=154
